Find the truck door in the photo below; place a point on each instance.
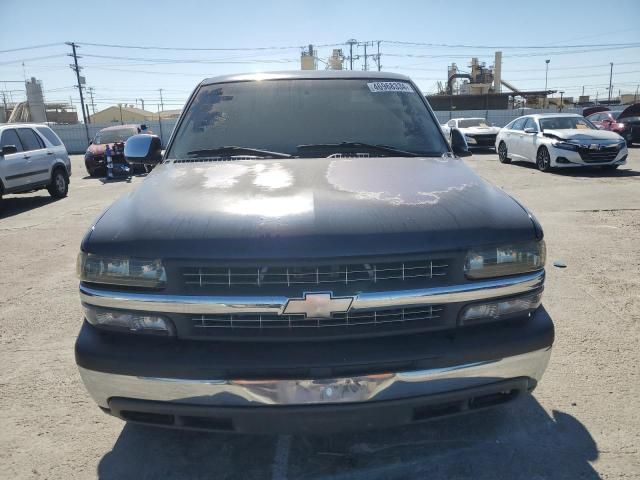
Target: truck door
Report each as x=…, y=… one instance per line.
x=38, y=156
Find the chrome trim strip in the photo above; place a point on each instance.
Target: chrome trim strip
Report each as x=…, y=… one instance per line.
x=202, y=304
x=386, y=386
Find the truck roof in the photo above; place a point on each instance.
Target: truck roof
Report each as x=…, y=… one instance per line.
x=304, y=74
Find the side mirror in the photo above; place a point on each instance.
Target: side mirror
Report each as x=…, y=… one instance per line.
x=459, y=144
x=530, y=130
x=9, y=149
x=143, y=149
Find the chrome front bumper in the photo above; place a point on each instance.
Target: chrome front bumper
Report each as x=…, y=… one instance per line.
x=385, y=386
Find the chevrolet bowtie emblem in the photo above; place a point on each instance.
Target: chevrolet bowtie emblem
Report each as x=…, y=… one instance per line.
x=317, y=305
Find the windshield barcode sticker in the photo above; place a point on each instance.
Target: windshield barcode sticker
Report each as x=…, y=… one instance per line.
x=377, y=87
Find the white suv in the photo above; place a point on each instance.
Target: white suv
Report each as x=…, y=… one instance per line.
x=32, y=157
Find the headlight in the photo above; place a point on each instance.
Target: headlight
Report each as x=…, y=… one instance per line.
x=131, y=322
x=470, y=139
x=130, y=272
x=566, y=146
x=505, y=260
x=500, y=309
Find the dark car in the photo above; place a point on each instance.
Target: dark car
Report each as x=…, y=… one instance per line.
x=310, y=255
x=94, y=158
x=625, y=123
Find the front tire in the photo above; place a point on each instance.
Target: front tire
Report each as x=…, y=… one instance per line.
x=503, y=155
x=543, y=159
x=59, y=186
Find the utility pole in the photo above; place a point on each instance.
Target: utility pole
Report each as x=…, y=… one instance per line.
x=4, y=112
x=351, y=43
x=93, y=105
x=378, y=57
x=635, y=97
x=76, y=69
x=88, y=116
x=610, y=82
x=160, y=123
x=366, y=66
x=546, y=77
x=160, y=114
x=561, y=94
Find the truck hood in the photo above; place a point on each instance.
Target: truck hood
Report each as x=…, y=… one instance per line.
x=581, y=135
x=304, y=208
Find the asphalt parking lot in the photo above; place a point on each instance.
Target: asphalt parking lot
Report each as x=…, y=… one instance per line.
x=583, y=421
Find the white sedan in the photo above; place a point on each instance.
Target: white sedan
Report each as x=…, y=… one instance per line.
x=478, y=132
x=560, y=140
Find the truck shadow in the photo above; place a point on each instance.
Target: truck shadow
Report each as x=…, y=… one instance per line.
x=518, y=440
x=11, y=206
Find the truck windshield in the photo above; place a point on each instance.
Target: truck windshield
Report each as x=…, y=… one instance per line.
x=113, y=136
x=283, y=115
x=562, y=123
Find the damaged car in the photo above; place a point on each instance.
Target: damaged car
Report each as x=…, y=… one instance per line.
x=559, y=141
x=625, y=123
x=94, y=158
x=478, y=132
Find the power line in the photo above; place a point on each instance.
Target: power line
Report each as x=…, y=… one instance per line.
x=513, y=47
x=33, y=47
x=194, y=60
x=22, y=60
x=205, y=49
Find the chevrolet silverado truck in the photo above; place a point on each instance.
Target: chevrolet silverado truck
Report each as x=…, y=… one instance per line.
x=309, y=255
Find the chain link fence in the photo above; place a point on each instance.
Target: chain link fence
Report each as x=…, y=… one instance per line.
x=498, y=117
x=75, y=138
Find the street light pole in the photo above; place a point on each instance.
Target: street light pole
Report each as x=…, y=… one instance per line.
x=546, y=77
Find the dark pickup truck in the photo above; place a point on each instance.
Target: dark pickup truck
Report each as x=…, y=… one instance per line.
x=310, y=255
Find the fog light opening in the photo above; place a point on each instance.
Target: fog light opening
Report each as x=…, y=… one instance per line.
x=129, y=321
x=501, y=309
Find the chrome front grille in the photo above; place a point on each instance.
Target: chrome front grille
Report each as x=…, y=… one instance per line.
x=325, y=275
x=424, y=315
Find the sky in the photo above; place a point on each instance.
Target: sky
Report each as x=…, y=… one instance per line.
x=268, y=35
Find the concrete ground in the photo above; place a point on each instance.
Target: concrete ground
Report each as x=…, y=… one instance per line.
x=583, y=421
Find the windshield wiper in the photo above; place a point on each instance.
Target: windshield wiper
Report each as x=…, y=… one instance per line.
x=235, y=150
x=356, y=147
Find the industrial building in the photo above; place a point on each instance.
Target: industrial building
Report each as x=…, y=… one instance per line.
x=482, y=89
x=122, y=113
x=35, y=109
